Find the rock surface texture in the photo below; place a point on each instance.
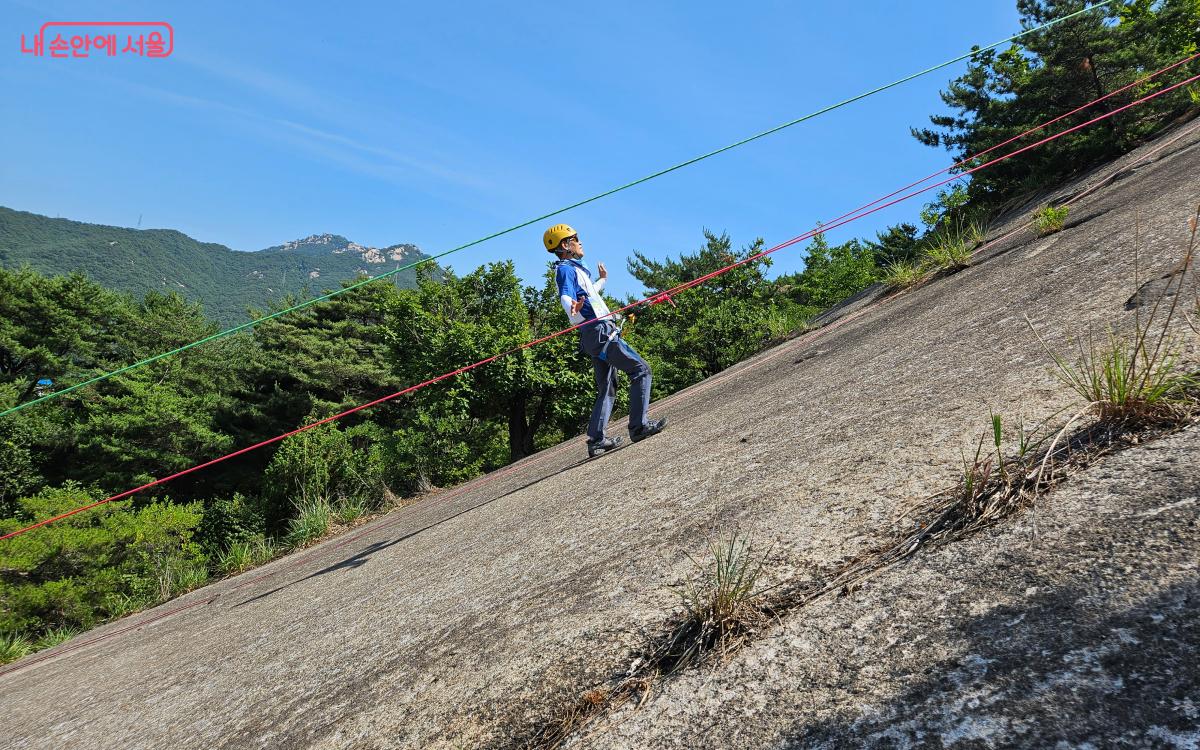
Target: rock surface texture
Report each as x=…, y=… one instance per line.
x=459, y=621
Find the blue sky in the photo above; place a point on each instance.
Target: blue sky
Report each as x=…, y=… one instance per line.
x=438, y=123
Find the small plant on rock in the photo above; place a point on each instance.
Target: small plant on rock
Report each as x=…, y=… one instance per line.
x=902, y=275
x=55, y=636
x=952, y=247
x=1050, y=219
x=1137, y=379
x=722, y=608
x=310, y=524
x=236, y=558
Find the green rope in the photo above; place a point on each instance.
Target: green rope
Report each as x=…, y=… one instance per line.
x=543, y=217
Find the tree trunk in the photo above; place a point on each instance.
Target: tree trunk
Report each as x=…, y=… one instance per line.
x=520, y=437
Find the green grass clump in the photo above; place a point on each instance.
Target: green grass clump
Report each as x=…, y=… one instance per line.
x=118, y=604
x=350, y=509
x=1138, y=378
x=721, y=608
x=1131, y=379
x=13, y=646
x=902, y=274
x=237, y=557
x=949, y=249
x=55, y=636
x=311, y=523
x=1050, y=219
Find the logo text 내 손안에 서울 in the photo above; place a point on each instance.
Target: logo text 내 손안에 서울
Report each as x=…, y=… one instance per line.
x=65, y=39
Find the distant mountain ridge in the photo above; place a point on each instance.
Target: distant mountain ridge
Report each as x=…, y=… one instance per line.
x=227, y=282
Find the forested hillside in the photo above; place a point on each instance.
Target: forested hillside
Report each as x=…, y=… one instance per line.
x=228, y=283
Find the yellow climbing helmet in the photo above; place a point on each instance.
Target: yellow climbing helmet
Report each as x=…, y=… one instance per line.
x=556, y=234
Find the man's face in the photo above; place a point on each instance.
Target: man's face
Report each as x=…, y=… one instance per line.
x=572, y=247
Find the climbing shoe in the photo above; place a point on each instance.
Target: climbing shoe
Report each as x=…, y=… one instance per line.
x=648, y=429
x=600, y=447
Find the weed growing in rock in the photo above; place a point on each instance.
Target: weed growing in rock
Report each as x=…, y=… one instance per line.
x=721, y=612
x=1050, y=219
x=951, y=248
x=721, y=609
x=236, y=558
x=1137, y=379
x=117, y=605
x=903, y=274
x=350, y=509
x=179, y=577
x=990, y=487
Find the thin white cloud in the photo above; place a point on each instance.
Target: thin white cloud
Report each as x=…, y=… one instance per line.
x=432, y=168
x=341, y=150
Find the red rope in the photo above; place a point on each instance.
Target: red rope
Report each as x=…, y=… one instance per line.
x=867, y=210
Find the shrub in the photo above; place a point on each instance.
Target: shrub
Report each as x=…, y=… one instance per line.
x=94, y=565
x=320, y=468
x=441, y=447
x=229, y=520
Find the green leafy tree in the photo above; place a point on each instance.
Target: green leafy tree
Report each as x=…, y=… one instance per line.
x=896, y=244
x=325, y=358
x=1004, y=93
x=832, y=273
x=18, y=470
x=165, y=416
x=94, y=565
x=62, y=328
x=445, y=324
x=710, y=326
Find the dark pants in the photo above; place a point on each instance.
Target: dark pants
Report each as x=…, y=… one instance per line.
x=617, y=356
